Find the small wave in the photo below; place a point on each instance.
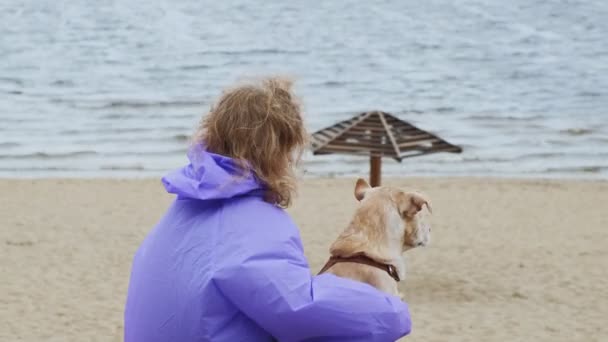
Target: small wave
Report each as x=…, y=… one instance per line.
x=62, y=83
x=523, y=157
x=121, y=139
x=576, y=131
x=540, y=155
x=181, y=137
x=136, y=167
x=487, y=160
x=195, y=67
x=581, y=169
x=163, y=153
x=71, y=155
x=256, y=52
x=17, y=120
x=599, y=139
x=115, y=116
x=113, y=130
x=426, y=46
x=45, y=155
x=13, y=92
x=122, y=104
x=444, y=109
x=411, y=111
x=70, y=132
x=49, y=168
x=498, y=118
x=152, y=104
x=589, y=94
x=525, y=75
x=11, y=80
x=9, y=144
x=333, y=84
x=559, y=142
x=489, y=117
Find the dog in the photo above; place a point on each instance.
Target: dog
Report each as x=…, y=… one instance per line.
x=387, y=223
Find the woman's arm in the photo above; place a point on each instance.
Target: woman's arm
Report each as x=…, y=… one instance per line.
x=264, y=273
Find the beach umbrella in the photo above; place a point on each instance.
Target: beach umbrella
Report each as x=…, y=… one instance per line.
x=378, y=134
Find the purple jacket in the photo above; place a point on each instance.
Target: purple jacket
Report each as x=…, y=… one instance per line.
x=223, y=265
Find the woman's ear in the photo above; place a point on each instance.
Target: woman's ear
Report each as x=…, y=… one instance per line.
x=360, y=188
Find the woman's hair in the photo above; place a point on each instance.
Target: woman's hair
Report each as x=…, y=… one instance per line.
x=260, y=126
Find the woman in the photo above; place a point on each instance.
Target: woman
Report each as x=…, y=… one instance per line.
x=226, y=262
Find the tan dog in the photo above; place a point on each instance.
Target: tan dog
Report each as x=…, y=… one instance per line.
x=387, y=223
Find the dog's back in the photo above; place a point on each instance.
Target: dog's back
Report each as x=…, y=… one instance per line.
x=366, y=274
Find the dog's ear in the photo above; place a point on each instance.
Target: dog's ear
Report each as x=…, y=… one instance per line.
x=360, y=188
x=414, y=204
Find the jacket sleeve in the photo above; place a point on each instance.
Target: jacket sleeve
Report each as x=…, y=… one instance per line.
x=264, y=273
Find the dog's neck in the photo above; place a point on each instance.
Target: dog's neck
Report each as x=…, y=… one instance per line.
x=384, y=245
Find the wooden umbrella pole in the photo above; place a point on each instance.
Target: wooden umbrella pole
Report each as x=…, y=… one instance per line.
x=375, y=169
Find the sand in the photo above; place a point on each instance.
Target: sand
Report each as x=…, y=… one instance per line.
x=510, y=260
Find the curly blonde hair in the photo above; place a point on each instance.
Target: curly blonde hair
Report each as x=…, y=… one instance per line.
x=260, y=126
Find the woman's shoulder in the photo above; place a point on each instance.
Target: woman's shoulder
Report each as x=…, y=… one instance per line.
x=255, y=208
x=260, y=216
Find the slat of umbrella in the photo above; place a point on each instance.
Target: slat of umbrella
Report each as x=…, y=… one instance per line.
x=362, y=145
x=324, y=135
x=418, y=137
x=418, y=142
x=357, y=153
x=348, y=124
x=391, y=137
x=439, y=150
x=371, y=127
x=371, y=135
x=342, y=148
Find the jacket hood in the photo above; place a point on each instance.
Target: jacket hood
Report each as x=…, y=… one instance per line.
x=211, y=176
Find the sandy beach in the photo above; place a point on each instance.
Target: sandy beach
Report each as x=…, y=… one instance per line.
x=510, y=260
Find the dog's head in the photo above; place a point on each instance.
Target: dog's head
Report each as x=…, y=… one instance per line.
x=404, y=212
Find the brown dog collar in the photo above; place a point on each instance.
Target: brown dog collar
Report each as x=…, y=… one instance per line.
x=361, y=258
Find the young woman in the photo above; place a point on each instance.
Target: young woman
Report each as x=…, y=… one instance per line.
x=226, y=262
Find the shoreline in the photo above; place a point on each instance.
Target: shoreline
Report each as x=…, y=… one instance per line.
x=498, y=178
